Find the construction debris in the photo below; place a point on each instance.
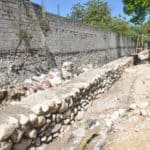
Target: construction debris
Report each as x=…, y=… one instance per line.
x=35, y=83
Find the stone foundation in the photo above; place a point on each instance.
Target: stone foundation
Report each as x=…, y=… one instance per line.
x=40, y=117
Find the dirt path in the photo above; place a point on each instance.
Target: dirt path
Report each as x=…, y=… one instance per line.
x=106, y=118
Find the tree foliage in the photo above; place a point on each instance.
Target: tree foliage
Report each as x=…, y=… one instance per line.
x=97, y=13
x=119, y=25
x=77, y=12
x=138, y=9
x=146, y=31
x=94, y=12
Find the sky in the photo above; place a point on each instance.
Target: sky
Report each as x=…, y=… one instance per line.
x=66, y=5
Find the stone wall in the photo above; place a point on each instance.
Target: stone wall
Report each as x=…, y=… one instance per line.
x=10, y=10
x=78, y=42
x=63, y=40
x=19, y=58
x=40, y=117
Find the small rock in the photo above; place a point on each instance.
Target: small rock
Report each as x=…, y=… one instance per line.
x=33, y=118
x=23, y=119
x=121, y=112
x=17, y=135
x=55, y=135
x=5, y=145
x=132, y=106
x=143, y=105
x=48, y=132
x=45, y=108
x=79, y=116
x=32, y=134
x=143, y=112
x=53, y=117
x=66, y=114
x=3, y=94
x=72, y=122
x=14, y=94
x=48, y=115
x=58, y=118
x=148, y=113
x=63, y=128
x=13, y=121
x=56, y=128
x=72, y=116
x=67, y=121
x=37, y=142
x=136, y=112
x=37, y=109
x=90, y=123
x=58, y=103
x=64, y=107
x=48, y=121
x=114, y=115
x=52, y=106
x=75, y=111
x=137, y=130
x=108, y=123
x=49, y=139
x=6, y=130
x=32, y=148
x=26, y=128
x=44, y=128
x=41, y=121
x=43, y=139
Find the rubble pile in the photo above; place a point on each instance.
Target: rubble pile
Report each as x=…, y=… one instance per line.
x=36, y=83
x=143, y=55
x=142, y=109
x=53, y=78
x=31, y=85
x=11, y=93
x=40, y=117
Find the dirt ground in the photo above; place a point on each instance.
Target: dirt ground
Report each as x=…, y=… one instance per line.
x=93, y=129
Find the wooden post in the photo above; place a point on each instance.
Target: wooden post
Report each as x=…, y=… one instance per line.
x=142, y=41
x=137, y=44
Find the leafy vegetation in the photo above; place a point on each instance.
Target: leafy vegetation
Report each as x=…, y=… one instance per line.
x=97, y=13
x=77, y=12
x=138, y=9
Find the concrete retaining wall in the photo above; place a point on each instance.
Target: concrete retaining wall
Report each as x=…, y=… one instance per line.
x=63, y=40
x=40, y=117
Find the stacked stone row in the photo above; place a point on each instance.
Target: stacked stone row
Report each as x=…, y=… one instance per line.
x=44, y=122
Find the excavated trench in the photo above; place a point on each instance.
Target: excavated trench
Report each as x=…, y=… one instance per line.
x=112, y=119
x=41, y=117
x=15, y=92
x=103, y=124
x=144, y=60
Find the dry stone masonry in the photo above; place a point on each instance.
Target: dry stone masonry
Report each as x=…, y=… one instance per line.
x=40, y=117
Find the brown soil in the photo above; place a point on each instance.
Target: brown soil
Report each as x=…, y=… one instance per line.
x=127, y=133
x=132, y=134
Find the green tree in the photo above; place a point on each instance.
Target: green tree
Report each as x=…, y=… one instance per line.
x=77, y=12
x=119, y=25
x=94, y=12
x=138, y=9
x=146, y=31
x=97, y=13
